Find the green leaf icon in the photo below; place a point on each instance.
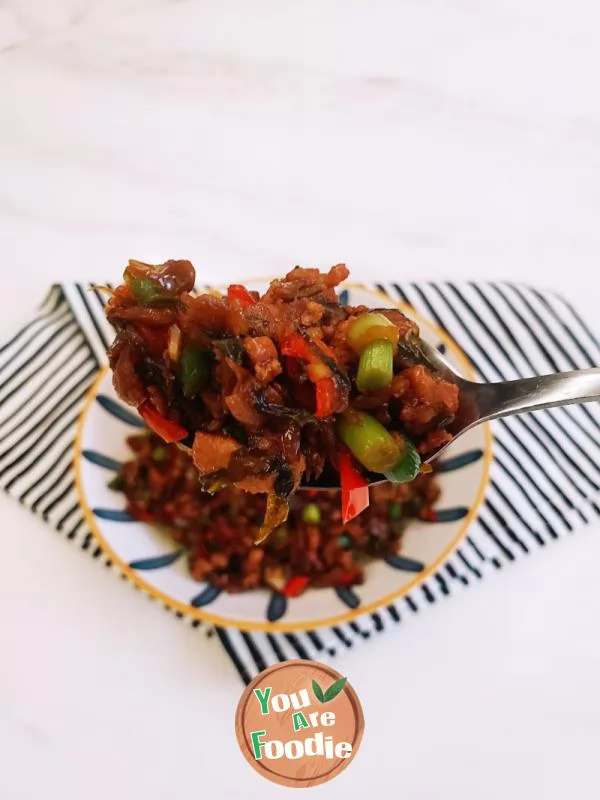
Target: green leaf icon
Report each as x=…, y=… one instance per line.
x=318, y=692
x=334, y=690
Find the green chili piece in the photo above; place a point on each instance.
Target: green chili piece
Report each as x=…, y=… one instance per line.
x=146, y=291
x=194, y=370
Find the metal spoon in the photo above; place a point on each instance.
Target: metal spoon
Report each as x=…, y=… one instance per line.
x=481, y=402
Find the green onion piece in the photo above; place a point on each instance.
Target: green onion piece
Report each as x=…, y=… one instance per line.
x=344, y=540
x=395, y=511
x=408, y=465
x=159, y=453
x=194, y=370
x=369, y=442
x=145, y=290
x=311, y=514
x=369, y=328
x=376, y=366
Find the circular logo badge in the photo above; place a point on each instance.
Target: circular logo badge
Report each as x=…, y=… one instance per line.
x=299, y=723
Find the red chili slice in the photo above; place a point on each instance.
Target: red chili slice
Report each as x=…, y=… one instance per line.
x=296, y=585
x=355, y=489
x=165, y=428
x=140, y=514
x=238, y=292
x=154, y=338
x=348, y=577
x=295, y=346
x=325, y=395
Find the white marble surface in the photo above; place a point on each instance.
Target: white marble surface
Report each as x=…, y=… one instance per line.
x=436, y=138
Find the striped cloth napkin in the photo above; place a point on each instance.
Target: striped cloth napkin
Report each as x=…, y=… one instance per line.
x=545, y=475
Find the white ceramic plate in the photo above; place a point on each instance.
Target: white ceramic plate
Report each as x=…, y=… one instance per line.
x=157, y=565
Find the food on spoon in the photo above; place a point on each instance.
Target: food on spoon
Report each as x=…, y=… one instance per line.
x=312, y=549
x=274, y=390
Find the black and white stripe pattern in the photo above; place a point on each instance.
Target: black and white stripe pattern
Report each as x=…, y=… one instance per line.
x=545, y=476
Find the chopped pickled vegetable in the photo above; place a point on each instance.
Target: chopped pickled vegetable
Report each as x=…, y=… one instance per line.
x=369, y=442
x=370, y=328
x=194, y=370
x=173, y=277
x=275, y=515
x=218, y=532
x=155, y=285
x=294, y=369
x=376, y=366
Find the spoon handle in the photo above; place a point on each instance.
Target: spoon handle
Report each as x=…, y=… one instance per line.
x=495, y=400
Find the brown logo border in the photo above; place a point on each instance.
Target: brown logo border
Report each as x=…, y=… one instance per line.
x=246, y=746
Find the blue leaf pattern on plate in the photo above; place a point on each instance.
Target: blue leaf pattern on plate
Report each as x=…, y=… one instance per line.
x=460, y=461
x=101, y=460
x=206, y=596
x=113, y=514
x=441, y=348
x=348, y=596
x=157, y=562
x=450, y=514
x=120, y=412
x=277, y=607
x=404, y=563
x=344, y=297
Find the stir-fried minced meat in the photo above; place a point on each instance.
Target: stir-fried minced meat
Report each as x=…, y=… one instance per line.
x=313, y=548
x=241, y=372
